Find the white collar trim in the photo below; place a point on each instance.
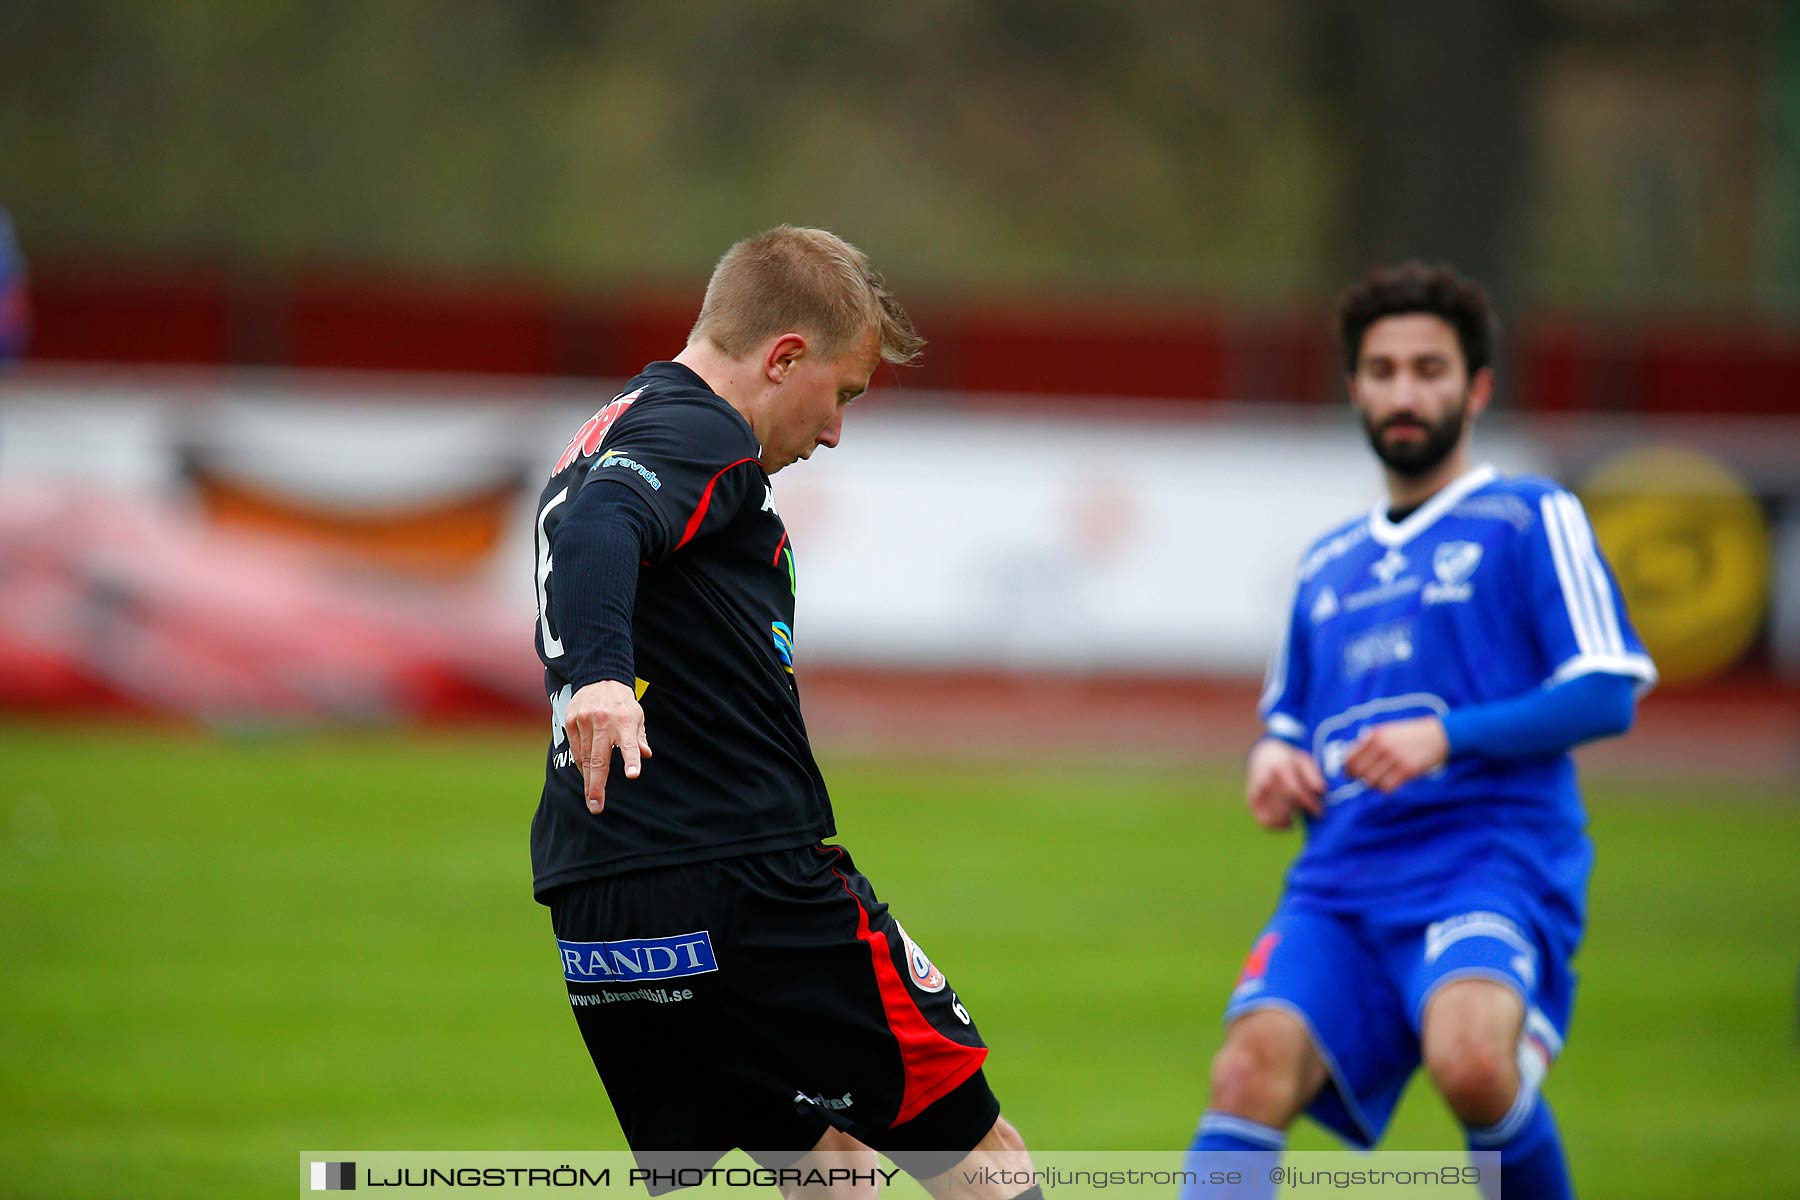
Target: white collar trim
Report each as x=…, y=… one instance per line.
x=1390, y=533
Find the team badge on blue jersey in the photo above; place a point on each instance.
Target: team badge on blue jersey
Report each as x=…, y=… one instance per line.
x=1453, y=563
x=635, y=960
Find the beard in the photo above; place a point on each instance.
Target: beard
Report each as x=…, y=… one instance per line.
x=1413, y=458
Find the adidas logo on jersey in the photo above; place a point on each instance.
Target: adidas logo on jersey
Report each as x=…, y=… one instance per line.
x=1326, y=606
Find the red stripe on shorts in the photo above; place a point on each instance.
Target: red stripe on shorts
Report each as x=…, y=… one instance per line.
x=934, y=1065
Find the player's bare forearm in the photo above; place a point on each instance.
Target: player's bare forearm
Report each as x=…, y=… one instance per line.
x=1389, y=756
x=602, y=716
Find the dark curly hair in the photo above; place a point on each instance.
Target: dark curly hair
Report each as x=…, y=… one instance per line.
x=1416, y=287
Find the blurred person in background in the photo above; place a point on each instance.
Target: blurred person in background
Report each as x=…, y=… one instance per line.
x=736, y=979
x=15, y=312
x=1443, y=655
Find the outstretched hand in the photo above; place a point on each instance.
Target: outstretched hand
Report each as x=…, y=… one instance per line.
x=602, y=716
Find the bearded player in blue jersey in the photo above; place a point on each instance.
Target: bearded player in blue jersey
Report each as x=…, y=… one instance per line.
x=1442, y=656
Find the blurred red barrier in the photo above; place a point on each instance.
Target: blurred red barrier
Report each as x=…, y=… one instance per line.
x=131, y=601
x=1102, y=346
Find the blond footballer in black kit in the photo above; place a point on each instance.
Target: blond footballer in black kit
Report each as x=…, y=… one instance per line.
x=735, y=978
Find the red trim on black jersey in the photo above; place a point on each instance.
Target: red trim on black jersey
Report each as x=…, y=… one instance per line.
x=693, y=525
x=776, y=561
x=934, y=1065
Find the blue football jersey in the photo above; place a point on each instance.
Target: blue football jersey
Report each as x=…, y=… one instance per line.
x=1494, y=587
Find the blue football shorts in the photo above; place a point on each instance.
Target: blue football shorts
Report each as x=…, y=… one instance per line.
x=1361, y=981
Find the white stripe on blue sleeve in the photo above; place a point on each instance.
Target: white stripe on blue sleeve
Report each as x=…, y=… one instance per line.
x=1582, y=542
x=1275, y=681
x=1588, y=597
x=1578, y=600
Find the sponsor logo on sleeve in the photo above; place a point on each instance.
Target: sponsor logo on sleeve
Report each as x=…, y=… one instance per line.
x=618, y=458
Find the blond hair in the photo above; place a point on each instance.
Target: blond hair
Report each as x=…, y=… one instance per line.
x=801, y=280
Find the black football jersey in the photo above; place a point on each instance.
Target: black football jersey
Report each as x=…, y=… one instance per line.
x=713, y=639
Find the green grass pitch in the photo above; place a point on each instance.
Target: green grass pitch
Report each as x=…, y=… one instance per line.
x=214, y=954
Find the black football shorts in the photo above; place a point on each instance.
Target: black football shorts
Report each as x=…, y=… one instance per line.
x=755, y=1002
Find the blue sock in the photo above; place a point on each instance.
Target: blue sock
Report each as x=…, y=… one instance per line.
x=1255, y=1148
x=1532, y=1166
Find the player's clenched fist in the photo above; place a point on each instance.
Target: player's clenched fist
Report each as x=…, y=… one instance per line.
x=1282, y=778
x=1397, y=752
x=599, y=717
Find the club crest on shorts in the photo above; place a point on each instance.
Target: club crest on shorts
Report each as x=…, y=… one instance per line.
x=925, y=976
x=1256, y=963
x=1252, y=978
